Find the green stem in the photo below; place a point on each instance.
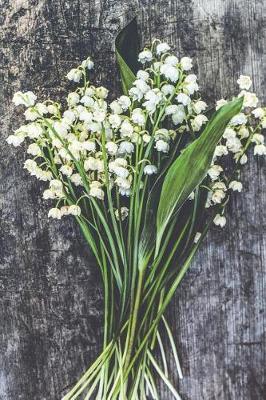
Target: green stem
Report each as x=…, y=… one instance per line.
x=133, y=320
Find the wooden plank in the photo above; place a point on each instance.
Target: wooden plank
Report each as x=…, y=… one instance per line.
x=50, y=295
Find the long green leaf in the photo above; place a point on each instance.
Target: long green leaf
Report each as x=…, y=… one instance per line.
x=185, y=174
x=191, y=167
x=126, y=50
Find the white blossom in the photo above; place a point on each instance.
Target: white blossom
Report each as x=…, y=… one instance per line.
x=191, y=85
x=101, y=92
x=179, y=116
x=15, y=140
x=172, y=109
x=52, y=109
x=88, y=145
x=171, y=60
x=126, y=129
x=86, y=116
x=69, y=117
x=74, y=75
x=138, y=116
x=233, y=144
x=34, y=149
x=142, y=86
x=73, y=99
x=218, y=196
x=143, y=75
x=162, y=146
x=136, y=94
x=43, y=175
x=64, y=210
x=219, y=220
x=26, y=99
x=153, y=98
x=145, y=56
x=219, y=186
x=244, y=82
x=88, y=63
x=220, y=151
x=93, y=164
x=123, y=183
x=199, y=106
x=220, y=103
x=258, y=112
x=250, y=99
x=186, y=63
x=236, y=186
x=198, y=121
x=61, y=128
x=260, y=150
x=90, y=91
x=30, y=166
x=122, y=172
x=66, y=170
x=48, y=194
x=75, y=147
x=170, y=72
x=120, y=162
x=257, y=138
x=162, y=133
x=243, y=132
x=150, y=170
x=167, y=89
x=229, y=133
x=41, y=108
x=121, y=213
x=214, y=171
x=96, y=190
x=111, y=148
x=197, y=237
x=115, y=121
x=126, y=147
x=239, y=119
x=56, y=185
x=31, y=114
x=183, y=99
x=34, y=130
x=54, y=213
x=87, y=101
x=146, y=138
x=99, y=115
x=243, y=159
x=124, y=102
x=124, y=192
x=74, y=210
x=162, y=48
x=76, y=179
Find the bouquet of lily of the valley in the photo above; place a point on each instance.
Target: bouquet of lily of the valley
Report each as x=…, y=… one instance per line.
x=144, y=176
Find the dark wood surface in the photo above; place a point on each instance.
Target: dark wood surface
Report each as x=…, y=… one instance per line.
x=50, y=293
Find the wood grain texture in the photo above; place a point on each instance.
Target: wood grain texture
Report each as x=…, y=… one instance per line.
x=50, y=292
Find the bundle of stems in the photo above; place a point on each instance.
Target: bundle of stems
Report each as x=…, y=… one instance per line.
x=143, y=183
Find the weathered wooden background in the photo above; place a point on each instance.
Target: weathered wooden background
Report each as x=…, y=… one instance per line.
x=50, y=296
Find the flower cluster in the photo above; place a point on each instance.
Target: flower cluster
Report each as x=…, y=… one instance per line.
x=98, y=148
x=243, y=131
x=104, y=162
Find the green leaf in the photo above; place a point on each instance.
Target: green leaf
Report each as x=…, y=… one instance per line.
x=182, y=177
x=191, y=167
x=126, y=50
